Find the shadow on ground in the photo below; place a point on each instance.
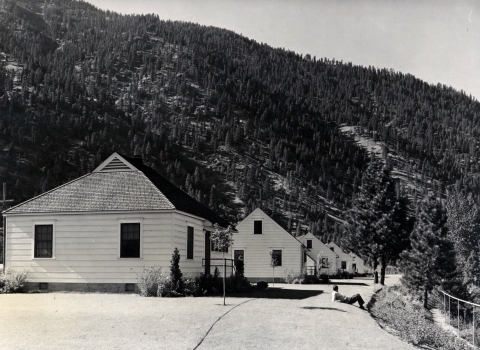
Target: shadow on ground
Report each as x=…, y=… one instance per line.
x=347, y=283
x=321, y=308
x=279, y=293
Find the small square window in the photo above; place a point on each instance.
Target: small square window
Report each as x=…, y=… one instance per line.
x=344, y=265
x=309, y=243
x=43, y=286
x=332, y=248
x=129, y=287
x=257, y=227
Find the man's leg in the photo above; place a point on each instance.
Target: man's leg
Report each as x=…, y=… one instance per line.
x=356, y=298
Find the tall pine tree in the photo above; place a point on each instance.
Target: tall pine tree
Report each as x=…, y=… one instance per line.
x=378, y=224
x=430, y=261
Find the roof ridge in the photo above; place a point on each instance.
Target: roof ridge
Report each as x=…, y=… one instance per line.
x=45, y=193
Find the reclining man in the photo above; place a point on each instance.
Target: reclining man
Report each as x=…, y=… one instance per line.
x=336, y=296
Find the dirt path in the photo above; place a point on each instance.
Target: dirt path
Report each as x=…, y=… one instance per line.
x=304, y=323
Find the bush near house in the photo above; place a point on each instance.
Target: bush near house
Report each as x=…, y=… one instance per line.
x=13, y=281
x=394, y=308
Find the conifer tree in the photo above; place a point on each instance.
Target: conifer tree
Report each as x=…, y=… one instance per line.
x=430, y=261
x=378, y=224
x=175, y=272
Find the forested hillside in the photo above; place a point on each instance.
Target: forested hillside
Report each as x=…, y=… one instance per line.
x=235, y=123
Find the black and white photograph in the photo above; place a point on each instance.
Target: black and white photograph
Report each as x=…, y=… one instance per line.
x=239, y=174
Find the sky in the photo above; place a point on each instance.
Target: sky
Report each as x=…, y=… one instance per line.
x=436, y=40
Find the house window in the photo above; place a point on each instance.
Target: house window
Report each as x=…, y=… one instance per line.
x=190, y=242
x=257, y=227
x=278, y=255
x=332, y=248
x=43, y=241
x=304, y=257
x=344, y=265
x=309, y=243
x=130, y=240
x=324, y=263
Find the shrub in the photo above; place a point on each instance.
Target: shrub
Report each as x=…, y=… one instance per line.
x=209, y=284
x=397, y=309
x=13, y=281
x=190, y=287
x=310, y=279
x=238, y=284
x=148, y=281
x=262, y=285
x=324, y=278
x=290, y=276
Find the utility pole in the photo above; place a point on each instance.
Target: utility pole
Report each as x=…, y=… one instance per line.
x=4, y=202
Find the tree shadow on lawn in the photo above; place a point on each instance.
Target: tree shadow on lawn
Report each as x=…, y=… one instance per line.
x=279, y=293
x=321, y=308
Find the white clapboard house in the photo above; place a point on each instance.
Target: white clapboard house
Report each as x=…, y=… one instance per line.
x=257, y=236
x=98, y=232
x=322, y=254
x=348, y=262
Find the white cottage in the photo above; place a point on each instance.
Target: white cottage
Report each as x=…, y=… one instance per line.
x=98, y=232
x=257, y=236
x=317, y=249
x=347, y=262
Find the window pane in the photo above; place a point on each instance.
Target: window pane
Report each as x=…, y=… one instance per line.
x=257, y=227
x=309, y=243
x=130, y=240
x=278, y=255
x=43, y=241
x=190, y=242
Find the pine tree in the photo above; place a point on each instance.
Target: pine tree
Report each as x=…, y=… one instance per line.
x=464, y=229
x=378, y=224
x=430, y=261
x=176, y=273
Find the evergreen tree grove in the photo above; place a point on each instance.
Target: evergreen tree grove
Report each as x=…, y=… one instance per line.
x=378, y=224
x=430, y=261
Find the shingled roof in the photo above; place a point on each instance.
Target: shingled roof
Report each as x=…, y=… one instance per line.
x=118, y=184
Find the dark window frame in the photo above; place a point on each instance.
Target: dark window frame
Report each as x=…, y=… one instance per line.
x=344, y=265
x=309, y=243
x=42, y=241
x=190, y=242
x=257, y=227
x=130, y=246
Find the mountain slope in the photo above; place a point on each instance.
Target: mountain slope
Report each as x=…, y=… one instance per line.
x=234, y=123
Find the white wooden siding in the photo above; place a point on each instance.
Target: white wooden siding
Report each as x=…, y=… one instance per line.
x=87, y=246
x=257, y=247
x=317, y=247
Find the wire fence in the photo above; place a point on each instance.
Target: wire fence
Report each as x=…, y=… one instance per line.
x=462, y=316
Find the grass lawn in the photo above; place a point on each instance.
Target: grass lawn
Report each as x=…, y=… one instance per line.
x=284, y=317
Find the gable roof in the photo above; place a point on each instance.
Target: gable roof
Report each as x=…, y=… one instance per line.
x=258, y=210
x=118, y=184
x=309, y=234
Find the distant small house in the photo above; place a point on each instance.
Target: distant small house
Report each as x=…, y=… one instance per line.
x=98, y=232
x=347, y=262
x=317, y=248
x=257, y=236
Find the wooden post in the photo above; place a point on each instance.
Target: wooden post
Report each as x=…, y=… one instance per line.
x=224, y=275
x=458, y=318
